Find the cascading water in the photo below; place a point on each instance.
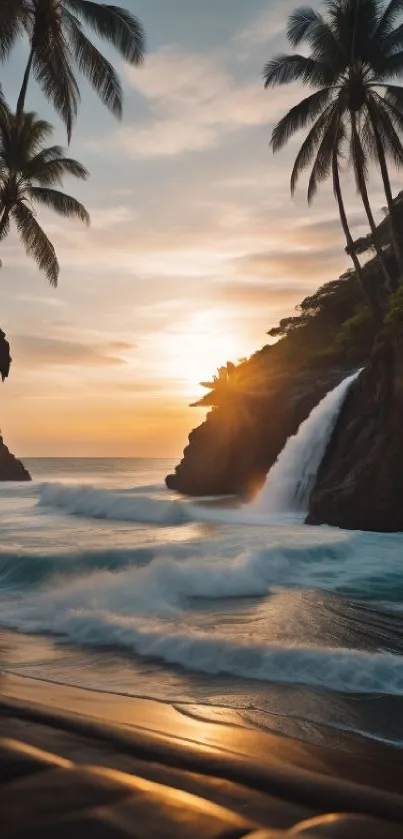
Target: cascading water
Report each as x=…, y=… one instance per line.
x=292, y=478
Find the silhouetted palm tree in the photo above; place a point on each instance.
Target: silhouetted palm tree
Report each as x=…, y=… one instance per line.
x=354, y=53
x=28, y=174
x=58, y=43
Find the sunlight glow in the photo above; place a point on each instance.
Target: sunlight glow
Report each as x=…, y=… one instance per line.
x=198, y=350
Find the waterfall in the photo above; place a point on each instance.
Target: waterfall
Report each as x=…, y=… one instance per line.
x=292, y=478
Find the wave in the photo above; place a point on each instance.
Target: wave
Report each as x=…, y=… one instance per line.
x=106, y=504
x=341, y=670
x=133, y=505
x=22, y=570
x=145, y=579
x=182, y=570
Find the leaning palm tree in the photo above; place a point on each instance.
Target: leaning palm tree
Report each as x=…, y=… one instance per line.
x=356, y=50
x=58, y=44
x=28, y=174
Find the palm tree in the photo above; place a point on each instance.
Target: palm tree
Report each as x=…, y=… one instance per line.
x=28, y=174
x=58, y=42
x=359, y=160
x=355, y=52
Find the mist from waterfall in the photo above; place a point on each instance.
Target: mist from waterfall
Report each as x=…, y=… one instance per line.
x=292, y=478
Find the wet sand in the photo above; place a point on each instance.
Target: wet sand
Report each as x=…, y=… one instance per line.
x=208, y=751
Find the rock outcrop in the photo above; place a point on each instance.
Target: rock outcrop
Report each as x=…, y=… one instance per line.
x=5, y=357
x=360, y=481
x=11, y=469
x=232, y=451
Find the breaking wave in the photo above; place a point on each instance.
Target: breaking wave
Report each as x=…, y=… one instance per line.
x=107, y=504
x=341, y=670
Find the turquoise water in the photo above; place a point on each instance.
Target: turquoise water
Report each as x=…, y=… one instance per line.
x=116, y=584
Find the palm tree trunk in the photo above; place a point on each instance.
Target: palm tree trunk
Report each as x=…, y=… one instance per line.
x=362, y=188
x=24, y=87
x=373, y=304
x=389, y=199
x=391, y=284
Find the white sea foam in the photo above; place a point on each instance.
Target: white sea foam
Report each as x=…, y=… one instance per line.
x=341, y=670
x=109, y=504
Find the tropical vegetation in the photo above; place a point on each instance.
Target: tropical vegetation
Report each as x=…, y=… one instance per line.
x=58, y=47
x=28, y=174
x=355, y=112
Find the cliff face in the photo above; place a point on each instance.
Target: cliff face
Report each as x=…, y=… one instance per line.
x=360, y=481
x=232, y=451
x=11, y=469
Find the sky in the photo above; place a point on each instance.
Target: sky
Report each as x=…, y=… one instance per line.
x=195, y=249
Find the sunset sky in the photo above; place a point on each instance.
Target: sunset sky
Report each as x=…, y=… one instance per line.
x=195, y=248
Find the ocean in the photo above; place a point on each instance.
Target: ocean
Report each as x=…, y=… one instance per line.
x=110, y=582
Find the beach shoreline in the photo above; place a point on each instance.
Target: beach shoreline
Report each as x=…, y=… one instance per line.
x=272, y=779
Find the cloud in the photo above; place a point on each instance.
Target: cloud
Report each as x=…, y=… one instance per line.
x=302, y=263
x=269, y=24
x=34, y=351
x=255, y=295
x=194, y=101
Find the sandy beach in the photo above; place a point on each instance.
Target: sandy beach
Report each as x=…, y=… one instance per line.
x=205, y=751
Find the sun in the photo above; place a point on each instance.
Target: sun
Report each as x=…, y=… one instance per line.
x=200, y=349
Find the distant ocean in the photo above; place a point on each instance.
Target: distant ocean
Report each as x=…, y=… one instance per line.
x=116, y=584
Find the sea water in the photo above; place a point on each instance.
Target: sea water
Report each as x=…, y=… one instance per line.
x=116, y=584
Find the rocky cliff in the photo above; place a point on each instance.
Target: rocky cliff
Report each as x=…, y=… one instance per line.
x=232, y=451
x=11, y=469
x=259, y=402
x=360, y=481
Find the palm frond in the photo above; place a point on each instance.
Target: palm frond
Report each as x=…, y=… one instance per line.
x=113, y=24
x=384, y=118
x=309, y=146
x=21, y=138
x=49, y=167
x=36, y=242
x=325, y=47
x=390, y=66
x=387, y=19
x=394, y=95
x=62, y=204
x=328, y=147
x=52, y=61
x=354, y=23
x=393, y=42
x=12, y=14
x=299, y=24
x=298, y=117
x=3, y=107
x=4, y=222
x=97, y=70
x=285, y=69
x=30, y=132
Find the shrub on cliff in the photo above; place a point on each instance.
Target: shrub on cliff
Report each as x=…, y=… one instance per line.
x=394, y=317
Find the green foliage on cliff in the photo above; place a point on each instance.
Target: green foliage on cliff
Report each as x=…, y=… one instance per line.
x=394, y=317
x=332, y=327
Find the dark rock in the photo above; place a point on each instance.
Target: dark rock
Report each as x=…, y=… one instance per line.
x=360, y=481
x=232, y=451
x=5, y=357
x=11, y=469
